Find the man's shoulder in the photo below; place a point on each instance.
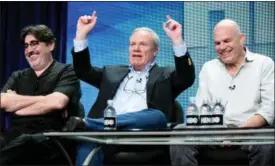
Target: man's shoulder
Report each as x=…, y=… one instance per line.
x=62, y=64
x=261, y=58
x=166, y=68
x=24, y=71
x=113, y=67
x=58, y=66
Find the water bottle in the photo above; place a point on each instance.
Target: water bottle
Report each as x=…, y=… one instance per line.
x=206, y=115
x=110, y=116
x=218, y=114
x=192, y=113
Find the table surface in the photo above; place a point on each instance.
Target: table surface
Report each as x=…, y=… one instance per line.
x=185, y=136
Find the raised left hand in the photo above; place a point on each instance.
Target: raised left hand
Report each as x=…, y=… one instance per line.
x=173, y=30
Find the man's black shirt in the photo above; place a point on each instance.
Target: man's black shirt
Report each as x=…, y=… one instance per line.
x=57, y=77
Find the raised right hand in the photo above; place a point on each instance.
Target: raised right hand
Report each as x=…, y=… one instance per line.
x=84, y=25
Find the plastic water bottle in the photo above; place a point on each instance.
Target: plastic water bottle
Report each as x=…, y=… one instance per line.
x=218, y=114
x=110, y=116
x=206, y=115
x=192, y=113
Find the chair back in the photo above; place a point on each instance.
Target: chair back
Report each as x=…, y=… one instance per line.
x=177, y=116
x=178, y=111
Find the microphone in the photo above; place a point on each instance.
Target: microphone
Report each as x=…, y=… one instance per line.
x=232, y=87
x=139, y=80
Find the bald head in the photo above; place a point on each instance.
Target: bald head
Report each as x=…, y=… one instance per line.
x=229, y=42
x=230, y=24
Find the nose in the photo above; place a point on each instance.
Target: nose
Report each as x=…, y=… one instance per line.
x=28, y=50
x=136, y=47
x=222, y=46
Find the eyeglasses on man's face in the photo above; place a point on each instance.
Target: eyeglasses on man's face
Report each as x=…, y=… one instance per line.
x=128, y=89
x=32, y=44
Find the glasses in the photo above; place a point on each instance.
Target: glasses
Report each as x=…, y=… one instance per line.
x=33, y=44
x=131, y=88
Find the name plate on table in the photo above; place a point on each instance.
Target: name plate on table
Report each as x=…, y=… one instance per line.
x=211, y=119
x=192, y=120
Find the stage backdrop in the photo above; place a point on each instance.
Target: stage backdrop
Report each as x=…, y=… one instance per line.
x=108, y=43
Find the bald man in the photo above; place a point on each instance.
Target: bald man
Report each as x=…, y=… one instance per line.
x=241, y=80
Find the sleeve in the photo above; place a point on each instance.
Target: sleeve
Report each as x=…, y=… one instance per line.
x=267, y=91
x=84, y=70
x=80, y=45
x=69, y=84
x=180, y=50
x=203, y=94
x=184, y=75
x=11, y=83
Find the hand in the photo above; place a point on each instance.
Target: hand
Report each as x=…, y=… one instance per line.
x=6, y=98
x=173, y=30
x=84, y=25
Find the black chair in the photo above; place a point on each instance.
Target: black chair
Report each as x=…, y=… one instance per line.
x=68, y=148
x=142, y=155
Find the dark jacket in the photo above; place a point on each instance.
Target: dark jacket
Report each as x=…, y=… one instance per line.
x=163, y=86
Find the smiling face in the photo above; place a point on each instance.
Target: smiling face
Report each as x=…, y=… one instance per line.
x=37, y=53
x=142, y=49
x=229, y=43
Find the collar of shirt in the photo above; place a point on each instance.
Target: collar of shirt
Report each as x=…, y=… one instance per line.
x=248, y=56
x=146, y=69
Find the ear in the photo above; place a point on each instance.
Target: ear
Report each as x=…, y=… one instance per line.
x=156, y=52
x=242, y=39
x=51, y=45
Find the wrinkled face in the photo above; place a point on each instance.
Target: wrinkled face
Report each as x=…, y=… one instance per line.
x=141, y=50
x=228, y=44
x=37, y=53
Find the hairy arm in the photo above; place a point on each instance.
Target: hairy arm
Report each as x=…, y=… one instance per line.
x=45, y=104
x=12, y=102
x=254, y=121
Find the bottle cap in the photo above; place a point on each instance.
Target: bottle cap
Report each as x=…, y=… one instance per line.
x=110, y=102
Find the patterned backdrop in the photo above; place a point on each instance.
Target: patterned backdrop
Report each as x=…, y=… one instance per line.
x=108, y=42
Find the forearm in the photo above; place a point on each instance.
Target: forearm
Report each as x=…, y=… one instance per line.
x=17, y=102
x=254, y=121
x=38, y=108
x=185, y=69
x=52, y=102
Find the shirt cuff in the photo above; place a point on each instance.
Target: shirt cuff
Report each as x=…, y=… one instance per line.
x=180, y=50
x=80, y=45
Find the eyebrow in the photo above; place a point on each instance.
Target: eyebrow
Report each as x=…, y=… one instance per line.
x=32, y=41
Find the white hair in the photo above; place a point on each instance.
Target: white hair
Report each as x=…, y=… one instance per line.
x=152, y=32
x=229, y=22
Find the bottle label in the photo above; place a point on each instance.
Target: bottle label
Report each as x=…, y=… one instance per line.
x=206, y=119
x=110, y=123
x=217, y=119
x=192, y=120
